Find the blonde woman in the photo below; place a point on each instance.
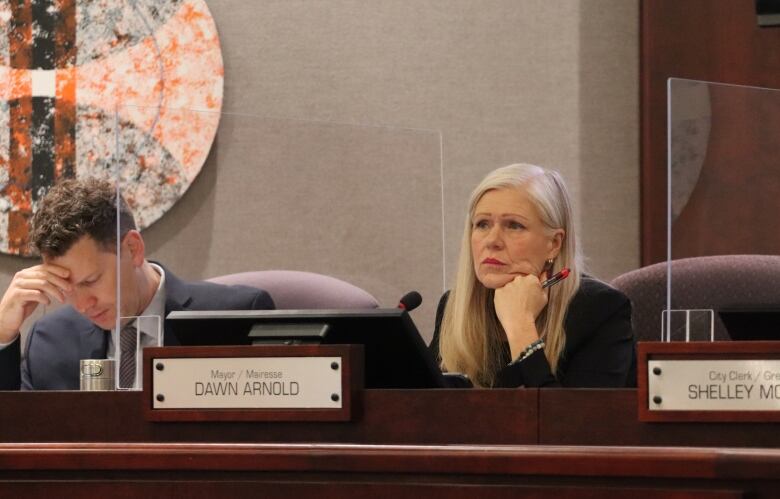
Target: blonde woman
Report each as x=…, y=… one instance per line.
x=498, y=325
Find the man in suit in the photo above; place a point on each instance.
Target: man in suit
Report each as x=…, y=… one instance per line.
x=75, y=232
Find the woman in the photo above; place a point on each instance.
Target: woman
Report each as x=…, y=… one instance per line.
x=498, y=326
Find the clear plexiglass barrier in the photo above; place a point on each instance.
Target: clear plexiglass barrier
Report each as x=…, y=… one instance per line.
x=217, y=194
x=724, y=194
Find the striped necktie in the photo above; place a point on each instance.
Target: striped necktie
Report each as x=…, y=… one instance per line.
x=128, y=344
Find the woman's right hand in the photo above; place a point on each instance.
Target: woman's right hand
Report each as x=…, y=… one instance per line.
x=28, y=288
x=518, y=304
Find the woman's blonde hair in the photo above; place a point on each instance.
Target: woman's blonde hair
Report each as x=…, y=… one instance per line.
x=471, y=337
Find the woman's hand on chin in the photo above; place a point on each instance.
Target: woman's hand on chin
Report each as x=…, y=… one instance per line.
x=518, y=304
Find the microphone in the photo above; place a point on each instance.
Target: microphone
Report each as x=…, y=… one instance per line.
x=410, y=301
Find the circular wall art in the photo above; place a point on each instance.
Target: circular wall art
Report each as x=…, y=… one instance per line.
x=104, y=88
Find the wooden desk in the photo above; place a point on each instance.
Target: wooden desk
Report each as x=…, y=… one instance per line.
x=330, y=470
x=445, y=443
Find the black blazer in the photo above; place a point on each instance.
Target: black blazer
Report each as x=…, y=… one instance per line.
x=599, y=349
x=60, y=339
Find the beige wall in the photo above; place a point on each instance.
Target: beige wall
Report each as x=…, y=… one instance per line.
x=449, y=89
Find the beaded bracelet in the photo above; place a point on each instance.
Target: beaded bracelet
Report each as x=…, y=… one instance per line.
x=533, y=347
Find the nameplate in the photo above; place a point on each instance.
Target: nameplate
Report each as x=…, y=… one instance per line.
x=714, y=385
x=247, y=383
x=273, y=382
x=709, y=381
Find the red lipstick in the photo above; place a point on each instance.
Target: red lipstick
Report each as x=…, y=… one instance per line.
x=493, y=261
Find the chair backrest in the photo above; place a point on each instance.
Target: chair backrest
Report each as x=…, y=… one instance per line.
x=292, y=289
x=708, y=282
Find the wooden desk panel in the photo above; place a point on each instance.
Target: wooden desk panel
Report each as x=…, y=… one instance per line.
x=512, y=417
x=381, y=416
x=328, y=470
x=609, y=417
x=417, y=443
x=326, y=489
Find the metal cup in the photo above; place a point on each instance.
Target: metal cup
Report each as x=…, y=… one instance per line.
x=97, y=375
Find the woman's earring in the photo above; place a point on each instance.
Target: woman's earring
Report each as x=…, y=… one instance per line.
x=549, y=264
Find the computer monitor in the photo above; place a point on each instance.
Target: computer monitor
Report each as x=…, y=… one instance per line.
x=395, y=354
x=751, y=323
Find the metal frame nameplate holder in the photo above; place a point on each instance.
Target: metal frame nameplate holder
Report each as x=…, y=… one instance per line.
x=703, y=381
x=268, y=382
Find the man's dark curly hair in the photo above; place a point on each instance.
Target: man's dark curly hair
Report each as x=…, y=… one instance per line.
x=75, y=208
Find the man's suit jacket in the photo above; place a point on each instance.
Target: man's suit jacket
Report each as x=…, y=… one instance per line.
x=59, y=340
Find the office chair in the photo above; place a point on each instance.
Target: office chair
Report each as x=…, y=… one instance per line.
x=292, y=289
x=707, y=282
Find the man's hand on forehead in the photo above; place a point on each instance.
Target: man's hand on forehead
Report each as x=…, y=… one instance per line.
x=31, y=286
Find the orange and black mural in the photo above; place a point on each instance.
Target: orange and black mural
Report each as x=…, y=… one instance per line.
x=116, y=89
